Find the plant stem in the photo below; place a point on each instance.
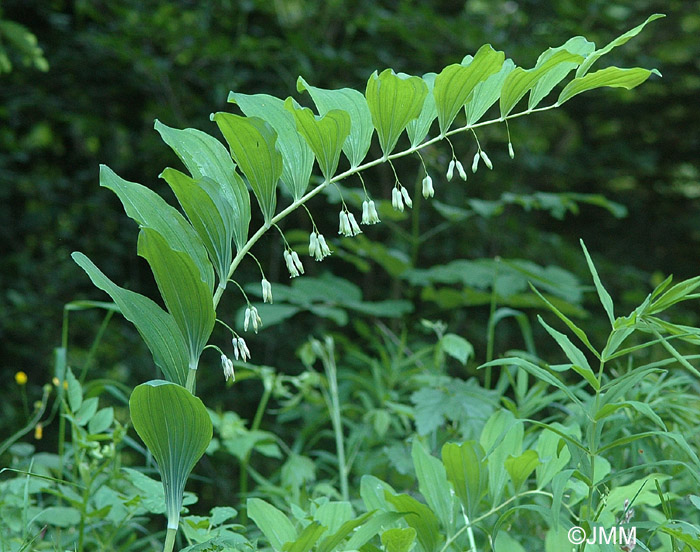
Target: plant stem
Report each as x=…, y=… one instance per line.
x=257, y=419
x=332, y=375
x=493, y=510
x=337, y=178
x=169, y=540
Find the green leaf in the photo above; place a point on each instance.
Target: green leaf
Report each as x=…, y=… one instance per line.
x=210, y=215
x=332, y=541
x=148, y=209
x=574, y=354
x=176, y=428
x=573, y=327
x=610, y=76
x=521, y=467
x=157, y=328
x=75, y=391
x=456, y=82
x=554, y=455
x=365, y=532
x=467, y=469
x=432, y=484
x=487, y=92
x=418, y=128
x=307, y=538
x=101, y=421
x=274, y=524
x=354, y=103
x=399, y=540
x=58, y=516
x=457, y=347
x=297, y=158
x=501, y=437
x=536, y=371
x=393, y=100
x=419, y=517
x=333, y=514
x=86, y=411
x=576, y=45
x=325, y=135
x=619, y=41
x=204, y=156
x=642, y=408
x=675, y=294
x=187, y=298
x=252, y=142
x=604, y=296
x=373, y=491
x=519, y=81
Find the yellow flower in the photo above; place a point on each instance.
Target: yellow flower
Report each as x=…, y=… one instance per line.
x=21, y=378
x=38, y=431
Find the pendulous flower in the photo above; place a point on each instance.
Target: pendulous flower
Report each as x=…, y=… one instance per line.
x=369, y=212
x=252, y=317
x=428, y=190
x=266, y=291
x=227, y=366
x=450, y=170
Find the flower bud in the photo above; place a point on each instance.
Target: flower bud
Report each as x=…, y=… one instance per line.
x=396, y=201
x=486, y=159
x=293, y=272
x=510, y=150
x=461, y=171
x=406, y=197
x=354, y=227
x=475, y=162
x=323, y=246
x=450, y=170
x=428, y=190
x=297, y=263
x=266, y=291
x=313, y=244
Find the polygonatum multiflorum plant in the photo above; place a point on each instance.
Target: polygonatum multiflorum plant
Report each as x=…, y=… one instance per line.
x=194, y=252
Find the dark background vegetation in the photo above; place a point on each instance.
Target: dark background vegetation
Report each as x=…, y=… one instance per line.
x=114, y=67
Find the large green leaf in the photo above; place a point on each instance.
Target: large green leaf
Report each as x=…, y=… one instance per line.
x=521, y=467
x=274, y=524
x=205, y=156
x=576, y=45
x=157, y=328
x=432, y=484
x=619, y=41
x=325, y=135
x=341, y=533
x=487, y=92
x=502, y=436
x=393, y=100
x=187, y=298
x=210, y=215
x=150, y=210
x=296, y=155
x=358, y=141
x=610, y=76
x=399, y=540
x=253, y=147
x=519, y=81
x=466, y=468
x=418, y=516
x=176, y=428
x=418, y=128
x=456, y=82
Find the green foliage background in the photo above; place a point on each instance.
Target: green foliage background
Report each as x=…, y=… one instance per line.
x=114, y=67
